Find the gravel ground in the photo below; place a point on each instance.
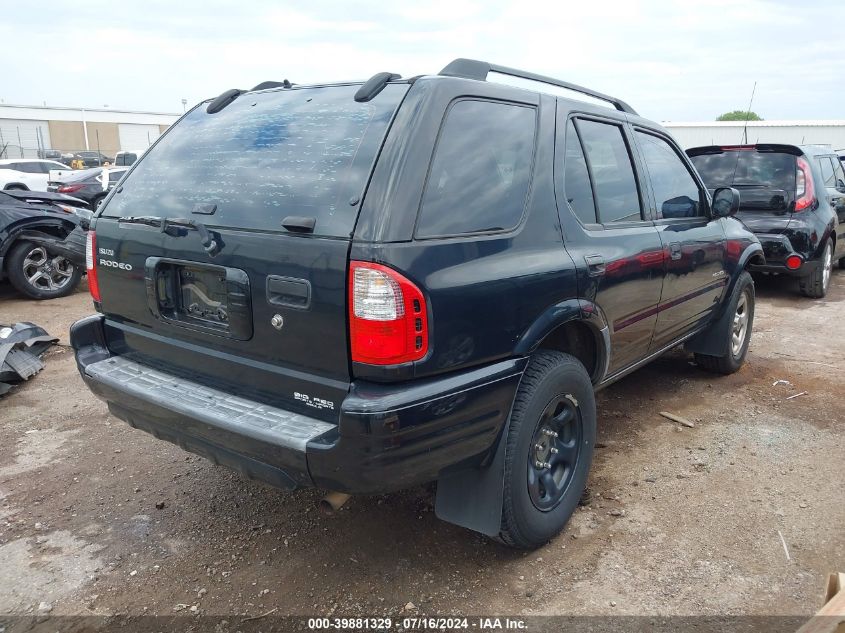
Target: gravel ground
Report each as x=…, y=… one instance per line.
x=742, y=514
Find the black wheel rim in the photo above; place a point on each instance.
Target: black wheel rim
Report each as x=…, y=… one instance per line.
x=554, y=452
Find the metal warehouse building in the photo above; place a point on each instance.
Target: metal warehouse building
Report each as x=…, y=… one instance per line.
x=24, y=130
x=831, y=133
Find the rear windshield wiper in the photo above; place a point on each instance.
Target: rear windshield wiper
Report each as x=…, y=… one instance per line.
x=209, y=244
x=149, y=220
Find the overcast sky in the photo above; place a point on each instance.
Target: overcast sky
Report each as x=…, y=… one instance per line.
x=677, y=61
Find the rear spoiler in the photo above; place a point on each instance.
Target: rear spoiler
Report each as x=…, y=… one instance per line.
x=46, y=196
x=760, y=147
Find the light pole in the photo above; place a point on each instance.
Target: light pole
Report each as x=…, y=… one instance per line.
x=184, y=105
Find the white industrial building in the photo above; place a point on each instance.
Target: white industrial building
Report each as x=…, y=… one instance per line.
x=694, y=134
x=25, y=130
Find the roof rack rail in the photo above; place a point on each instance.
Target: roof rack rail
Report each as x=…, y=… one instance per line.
x=264, y=85
x=475, y=69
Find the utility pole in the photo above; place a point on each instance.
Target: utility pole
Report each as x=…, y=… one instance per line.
x=85, y=129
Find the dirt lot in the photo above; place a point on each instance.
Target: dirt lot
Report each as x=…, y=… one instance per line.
x=97, y=518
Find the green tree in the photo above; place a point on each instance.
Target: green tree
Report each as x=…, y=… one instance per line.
x=739, y=115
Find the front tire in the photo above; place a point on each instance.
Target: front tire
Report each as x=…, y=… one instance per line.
x=815, y=284
x=551, y=434
x=741, y=306
x=38, y=275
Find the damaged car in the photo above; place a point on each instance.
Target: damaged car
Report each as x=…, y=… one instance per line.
x=42, y=242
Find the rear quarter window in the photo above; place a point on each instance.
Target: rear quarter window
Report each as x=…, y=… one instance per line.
x=481, y=169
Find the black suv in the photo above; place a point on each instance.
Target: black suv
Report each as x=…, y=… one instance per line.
x=371, y=287
x=793, y=198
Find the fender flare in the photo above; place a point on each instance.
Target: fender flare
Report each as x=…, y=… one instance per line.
x=752, y=250
x=473, y=498
x=564, y=312
x=15, y=185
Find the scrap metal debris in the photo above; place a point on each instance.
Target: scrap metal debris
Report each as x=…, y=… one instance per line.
x=21, y=347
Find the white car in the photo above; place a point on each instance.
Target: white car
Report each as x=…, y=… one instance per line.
x=30, y=173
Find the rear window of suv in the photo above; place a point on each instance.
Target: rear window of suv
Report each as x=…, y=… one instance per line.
x=266, y=156
x=747, y=168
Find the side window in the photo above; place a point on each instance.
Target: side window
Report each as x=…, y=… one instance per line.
x=838, y=175
x=827, y=170
x=30, y=168
x=607, y=154
x=579, y=191
x=46, y=167
x=481, y=169
x=675, y=190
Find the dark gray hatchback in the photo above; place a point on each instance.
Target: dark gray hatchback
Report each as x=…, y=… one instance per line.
x=366, y=287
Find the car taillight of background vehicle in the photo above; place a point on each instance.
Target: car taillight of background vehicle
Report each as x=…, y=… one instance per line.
x=69, y=188
x=388, y=318
x=793, y=262
x=805, y=194
x=91, y=265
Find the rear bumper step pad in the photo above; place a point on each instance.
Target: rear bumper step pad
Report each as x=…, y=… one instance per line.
x=217, y=408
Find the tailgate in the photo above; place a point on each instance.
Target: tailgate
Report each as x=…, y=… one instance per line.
x=263, y=315
x=169, y=304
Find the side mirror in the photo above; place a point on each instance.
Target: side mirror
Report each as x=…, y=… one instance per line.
x=725, y=202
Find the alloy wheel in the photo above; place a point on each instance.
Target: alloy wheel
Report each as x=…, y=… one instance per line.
x=739, y=331
x=554, y=451
x=46, y=273
x=827, y=265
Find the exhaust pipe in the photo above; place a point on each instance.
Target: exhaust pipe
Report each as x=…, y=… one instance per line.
x=332, y=502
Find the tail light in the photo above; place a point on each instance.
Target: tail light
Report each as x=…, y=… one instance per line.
x=91, y=265
x=69, y=188
x=805, y=194
x=388, y=320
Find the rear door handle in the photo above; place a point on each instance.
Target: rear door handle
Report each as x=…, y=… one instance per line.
x=675, y=250
x=595, y=265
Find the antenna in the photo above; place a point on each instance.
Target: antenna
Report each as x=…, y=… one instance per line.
x=744, y=140
x=748, y=114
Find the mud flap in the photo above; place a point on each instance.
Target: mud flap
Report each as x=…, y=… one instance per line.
x=472, y=498
x=714, y=340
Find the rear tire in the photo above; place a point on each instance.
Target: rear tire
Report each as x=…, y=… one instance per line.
x=842, y=263
x=38, y=275
x=741, y=306
x=553, y=423
x=815, y=284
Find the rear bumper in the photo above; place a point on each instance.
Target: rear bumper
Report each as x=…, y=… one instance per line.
x=387, y=437
x=776, y=248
